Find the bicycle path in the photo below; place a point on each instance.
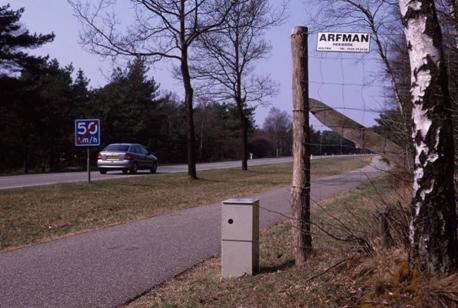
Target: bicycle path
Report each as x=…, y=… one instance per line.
x=109, y=267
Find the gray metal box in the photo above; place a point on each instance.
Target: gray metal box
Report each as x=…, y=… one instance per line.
x=240, y=237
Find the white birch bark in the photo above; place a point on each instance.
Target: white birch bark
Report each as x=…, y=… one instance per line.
x=433, y=227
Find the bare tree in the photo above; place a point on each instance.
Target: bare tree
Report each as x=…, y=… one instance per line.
x=433, y=230
x=278, y=126
x=227, y=56
x=160, y=29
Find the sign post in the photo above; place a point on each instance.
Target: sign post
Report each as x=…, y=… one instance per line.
x=88, y=165
x=87, y=134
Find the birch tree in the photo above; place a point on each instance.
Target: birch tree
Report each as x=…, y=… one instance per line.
x=433, y=229
x=161, y=29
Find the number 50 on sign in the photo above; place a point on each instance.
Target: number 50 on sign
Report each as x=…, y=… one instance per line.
x=87, y=132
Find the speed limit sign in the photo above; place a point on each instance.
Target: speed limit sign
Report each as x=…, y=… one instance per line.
x=87, y=132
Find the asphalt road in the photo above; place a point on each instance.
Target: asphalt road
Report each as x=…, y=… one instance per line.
x=111, y=266
x=16, y=181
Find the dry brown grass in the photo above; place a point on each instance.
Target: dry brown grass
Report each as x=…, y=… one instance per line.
x=339, y=273
x=388, y=280
x=440, y=292
x=31, y=215
x=325, y=282
x=278, y=284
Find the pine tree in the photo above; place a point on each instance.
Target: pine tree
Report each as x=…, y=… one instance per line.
x=14, y=38
x=129, y=105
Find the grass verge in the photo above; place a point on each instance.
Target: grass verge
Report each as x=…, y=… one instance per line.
x=30, y=215
x=348, y=268
x=279, y=284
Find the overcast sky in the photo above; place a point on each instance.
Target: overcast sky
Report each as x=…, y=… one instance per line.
x=336, y=78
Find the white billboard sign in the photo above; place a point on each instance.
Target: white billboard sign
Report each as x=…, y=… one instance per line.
x=344, y=42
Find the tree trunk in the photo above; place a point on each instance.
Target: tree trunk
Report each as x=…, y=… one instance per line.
x=433, y=236
x=189, y=93
x=244, y=132
x=201, y=146
x=240, y=102
x=453, y=9
x=26, y=161
x=300, y=192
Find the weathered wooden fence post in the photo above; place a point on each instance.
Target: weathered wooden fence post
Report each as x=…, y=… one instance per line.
x=300, y=191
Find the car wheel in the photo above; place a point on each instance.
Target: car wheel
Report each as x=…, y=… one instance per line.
x=154, y=168
x=124, y=171
x=134, y=168
x=102, y=171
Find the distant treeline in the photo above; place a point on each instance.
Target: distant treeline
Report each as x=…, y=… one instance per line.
x=39, y=107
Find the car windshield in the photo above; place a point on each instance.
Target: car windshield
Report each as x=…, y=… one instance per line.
x=117, y=147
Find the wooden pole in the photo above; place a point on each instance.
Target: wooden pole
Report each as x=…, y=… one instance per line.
x=300, y=191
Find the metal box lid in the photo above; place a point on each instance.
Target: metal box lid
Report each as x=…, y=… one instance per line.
x=240, y=219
